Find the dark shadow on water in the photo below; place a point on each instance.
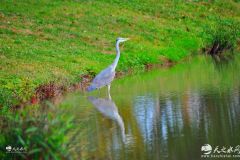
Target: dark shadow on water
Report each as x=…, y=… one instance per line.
x=223, y=61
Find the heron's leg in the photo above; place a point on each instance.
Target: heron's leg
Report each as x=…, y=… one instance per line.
x=109, y=87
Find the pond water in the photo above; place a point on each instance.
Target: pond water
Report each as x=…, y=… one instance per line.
x=165, y=113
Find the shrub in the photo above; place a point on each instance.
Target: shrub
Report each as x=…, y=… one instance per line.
x=42, y=134
x=222, y=36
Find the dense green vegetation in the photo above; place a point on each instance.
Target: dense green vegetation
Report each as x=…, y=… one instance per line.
x=45, y=41
x=40, y=133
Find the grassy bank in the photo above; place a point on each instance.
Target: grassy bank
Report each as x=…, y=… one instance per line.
x=42, y=42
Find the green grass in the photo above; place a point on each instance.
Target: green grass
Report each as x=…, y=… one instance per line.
x=44, y=41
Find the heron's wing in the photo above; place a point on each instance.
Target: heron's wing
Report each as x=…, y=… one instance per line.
x=104, y=77
x=105, y=73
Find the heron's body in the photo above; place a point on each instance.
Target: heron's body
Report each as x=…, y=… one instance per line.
x=106, y=76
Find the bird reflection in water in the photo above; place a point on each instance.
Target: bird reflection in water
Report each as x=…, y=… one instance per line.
x=109, y=109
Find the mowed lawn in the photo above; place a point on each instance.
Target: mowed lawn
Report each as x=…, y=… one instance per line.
x=58, y=41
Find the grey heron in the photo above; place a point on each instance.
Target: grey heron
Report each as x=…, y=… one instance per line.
x=106, y=76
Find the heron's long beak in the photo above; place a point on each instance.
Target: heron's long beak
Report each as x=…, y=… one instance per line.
x=126, y=39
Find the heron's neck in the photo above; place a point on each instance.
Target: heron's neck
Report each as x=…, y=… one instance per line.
x=117, y=57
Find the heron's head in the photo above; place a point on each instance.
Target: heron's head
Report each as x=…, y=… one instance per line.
x=119, y=39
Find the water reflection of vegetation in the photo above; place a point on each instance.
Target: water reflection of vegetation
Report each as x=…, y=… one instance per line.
x=197, y=73
x=42, y=132
x=177, y=125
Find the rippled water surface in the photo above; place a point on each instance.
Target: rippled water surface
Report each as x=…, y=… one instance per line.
x=164, y=113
